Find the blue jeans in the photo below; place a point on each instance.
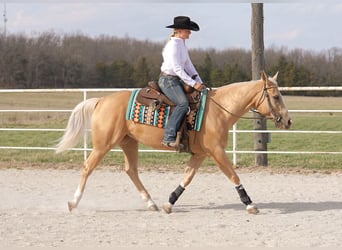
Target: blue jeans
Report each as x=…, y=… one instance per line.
x=173, y=89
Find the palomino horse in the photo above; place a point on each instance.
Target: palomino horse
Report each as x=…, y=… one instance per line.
x=224, y=106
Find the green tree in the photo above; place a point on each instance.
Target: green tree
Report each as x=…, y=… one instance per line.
x=141, y=72
x=234, y=73
x=205, y=69
x=102, y=75
x=121, y=74
x=216, y=77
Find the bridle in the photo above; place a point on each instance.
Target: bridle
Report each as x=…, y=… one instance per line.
x=264, y=95
x=276, y=117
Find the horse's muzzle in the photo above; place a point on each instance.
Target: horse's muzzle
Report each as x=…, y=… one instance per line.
x=282, y=123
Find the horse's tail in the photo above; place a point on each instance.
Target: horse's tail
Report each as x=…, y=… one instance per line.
x=79, y=122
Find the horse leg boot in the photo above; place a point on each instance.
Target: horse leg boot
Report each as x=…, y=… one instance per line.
x=167, y=207
x=220, y=157
x=130, y=149
x=190, y=171
x=250, y=207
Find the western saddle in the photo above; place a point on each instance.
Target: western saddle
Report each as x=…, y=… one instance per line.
x=153, y=97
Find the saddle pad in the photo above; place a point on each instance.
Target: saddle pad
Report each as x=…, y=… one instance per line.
x=158, y=118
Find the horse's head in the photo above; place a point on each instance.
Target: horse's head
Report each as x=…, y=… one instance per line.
x=271, y=103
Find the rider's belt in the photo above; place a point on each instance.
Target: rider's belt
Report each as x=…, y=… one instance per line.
x=167, y=75
x=173, y=76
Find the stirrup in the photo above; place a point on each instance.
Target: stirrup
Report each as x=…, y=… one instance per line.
x=173, y=145
x=176, y=144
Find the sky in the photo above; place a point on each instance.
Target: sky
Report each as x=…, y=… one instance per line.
x=308, y=25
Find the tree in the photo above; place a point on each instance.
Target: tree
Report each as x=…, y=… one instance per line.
x=216, y=77
x=121, y=74
x=234, y=74
x=57, y=60
x=205, y=69
x=141, y=72
x=102, y=77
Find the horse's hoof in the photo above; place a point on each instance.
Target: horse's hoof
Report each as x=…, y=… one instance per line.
x=153, y=207
x=167, y=207
x=252, y=209
x=71, y=206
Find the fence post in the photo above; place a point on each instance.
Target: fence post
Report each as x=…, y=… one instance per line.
x=258, y=64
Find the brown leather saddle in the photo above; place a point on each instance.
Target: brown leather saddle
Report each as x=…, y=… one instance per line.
x=152, y=96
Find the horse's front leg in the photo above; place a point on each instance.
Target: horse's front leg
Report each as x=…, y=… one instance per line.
x=190, y=171
x=219, y=156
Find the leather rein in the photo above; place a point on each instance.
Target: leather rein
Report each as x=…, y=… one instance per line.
x=255, y=110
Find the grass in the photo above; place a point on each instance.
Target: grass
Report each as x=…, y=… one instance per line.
x=279, y=141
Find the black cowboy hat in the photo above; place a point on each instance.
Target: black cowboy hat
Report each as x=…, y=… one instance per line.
x=184, y=22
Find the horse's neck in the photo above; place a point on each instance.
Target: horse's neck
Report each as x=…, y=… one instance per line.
x=238, y=98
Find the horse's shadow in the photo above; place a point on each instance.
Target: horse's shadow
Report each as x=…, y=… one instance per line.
x=282, y=207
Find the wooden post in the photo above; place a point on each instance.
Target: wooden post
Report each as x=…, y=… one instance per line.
x=258, y=65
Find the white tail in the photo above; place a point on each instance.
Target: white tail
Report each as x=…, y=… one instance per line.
x=78, y=123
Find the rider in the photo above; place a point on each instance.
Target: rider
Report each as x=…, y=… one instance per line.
x=177, y=69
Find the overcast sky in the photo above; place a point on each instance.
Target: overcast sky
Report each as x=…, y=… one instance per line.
x=310, y=25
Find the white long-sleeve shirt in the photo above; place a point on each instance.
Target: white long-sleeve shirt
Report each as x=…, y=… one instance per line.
x=176, y=61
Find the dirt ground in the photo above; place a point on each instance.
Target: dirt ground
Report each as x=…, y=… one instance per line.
x=296, y=209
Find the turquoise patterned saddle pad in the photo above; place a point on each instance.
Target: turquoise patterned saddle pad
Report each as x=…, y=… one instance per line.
x=147, y=115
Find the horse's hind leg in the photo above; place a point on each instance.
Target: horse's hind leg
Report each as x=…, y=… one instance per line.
x=130, y=149
x=89, y=165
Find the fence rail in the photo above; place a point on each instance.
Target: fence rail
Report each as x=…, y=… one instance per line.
x=234, y=131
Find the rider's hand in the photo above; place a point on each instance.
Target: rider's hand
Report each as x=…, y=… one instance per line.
x=199, y=86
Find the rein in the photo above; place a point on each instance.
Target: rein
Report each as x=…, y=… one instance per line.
x=254, y=110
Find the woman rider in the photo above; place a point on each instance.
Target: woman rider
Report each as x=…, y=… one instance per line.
x=176, y=70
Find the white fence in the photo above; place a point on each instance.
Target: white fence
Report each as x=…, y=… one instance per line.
x=234, y=131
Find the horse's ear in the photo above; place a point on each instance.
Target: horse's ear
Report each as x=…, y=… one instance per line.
x=275, y=76
x=264, y=76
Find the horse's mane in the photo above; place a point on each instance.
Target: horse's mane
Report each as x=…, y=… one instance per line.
x=232, y=86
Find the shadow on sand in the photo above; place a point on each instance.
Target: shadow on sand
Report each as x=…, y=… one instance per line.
x=283, y=207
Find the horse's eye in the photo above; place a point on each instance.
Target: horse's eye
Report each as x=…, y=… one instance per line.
x=276, y=97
